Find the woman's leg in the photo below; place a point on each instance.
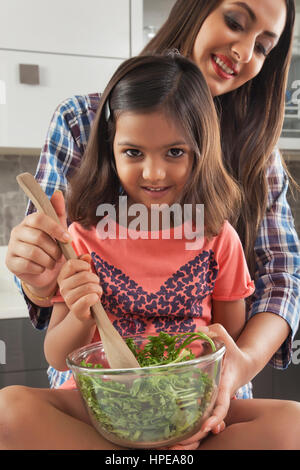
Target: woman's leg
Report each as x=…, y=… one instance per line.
x=259, y=424
x=53, y=419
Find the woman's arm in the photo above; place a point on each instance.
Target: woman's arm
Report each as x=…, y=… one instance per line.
x=263, y=335
x=65, y=144
x=229, y=317
x=34, y=255
x=277, y=278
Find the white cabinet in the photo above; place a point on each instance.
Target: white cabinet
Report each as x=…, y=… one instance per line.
x=89, y=27
x=25, y=117
x=77, y=46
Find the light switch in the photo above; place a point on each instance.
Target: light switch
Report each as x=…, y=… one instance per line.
x=29, y=74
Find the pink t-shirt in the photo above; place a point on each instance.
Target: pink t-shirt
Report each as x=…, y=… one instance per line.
x=152, y=285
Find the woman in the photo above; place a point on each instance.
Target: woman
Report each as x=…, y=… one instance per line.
x=243, y=50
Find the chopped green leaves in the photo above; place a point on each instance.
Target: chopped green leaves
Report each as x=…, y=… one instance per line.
x=160, y=405
x=166, y=349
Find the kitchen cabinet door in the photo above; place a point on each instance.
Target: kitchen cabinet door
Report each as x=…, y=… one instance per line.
x=25, y=117
x=90, y=27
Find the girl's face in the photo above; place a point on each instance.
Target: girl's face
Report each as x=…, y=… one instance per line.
x=235, y=40
x=153, y=158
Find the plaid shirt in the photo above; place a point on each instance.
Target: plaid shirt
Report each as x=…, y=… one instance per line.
x=277, y=244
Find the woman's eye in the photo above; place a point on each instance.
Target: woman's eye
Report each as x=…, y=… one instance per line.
x=233, y=24
x=261, y=49
x=133, y=153
x=175, y=152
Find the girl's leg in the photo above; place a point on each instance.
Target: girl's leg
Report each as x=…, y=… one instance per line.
x=53, y=419
x=259, y=424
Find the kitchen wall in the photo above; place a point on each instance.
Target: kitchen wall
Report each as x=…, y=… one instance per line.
x=12, y=200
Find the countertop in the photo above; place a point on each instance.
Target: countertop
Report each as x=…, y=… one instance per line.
x=12, y=303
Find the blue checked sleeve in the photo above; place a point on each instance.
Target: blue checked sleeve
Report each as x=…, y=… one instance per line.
x=65, y=143
x=277, y=279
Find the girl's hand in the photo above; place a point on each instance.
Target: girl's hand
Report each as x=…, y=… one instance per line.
x=33, y=254
x=79, y=286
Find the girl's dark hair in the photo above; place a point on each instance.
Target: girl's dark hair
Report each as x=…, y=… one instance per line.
x=251, y=116
x=175, y=86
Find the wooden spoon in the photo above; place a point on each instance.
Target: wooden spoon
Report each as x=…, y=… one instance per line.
x=117, y=352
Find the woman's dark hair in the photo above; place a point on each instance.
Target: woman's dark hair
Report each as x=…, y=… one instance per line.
x=173, y=85
x=251, y=116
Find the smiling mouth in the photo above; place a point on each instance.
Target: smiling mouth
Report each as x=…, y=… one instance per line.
x=155, y=190
x=225, y=70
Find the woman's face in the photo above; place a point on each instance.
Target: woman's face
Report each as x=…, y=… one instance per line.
x=235, y=40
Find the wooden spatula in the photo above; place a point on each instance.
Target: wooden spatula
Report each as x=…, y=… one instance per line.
x=117, y=352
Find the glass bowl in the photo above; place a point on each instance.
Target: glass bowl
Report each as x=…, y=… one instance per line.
x=152, y=406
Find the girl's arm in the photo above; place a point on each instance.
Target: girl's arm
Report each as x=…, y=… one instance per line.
x=65, y=333
x=71, y=325
x=232, y=315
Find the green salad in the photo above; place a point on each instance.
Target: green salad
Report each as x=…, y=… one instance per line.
x=160, y=405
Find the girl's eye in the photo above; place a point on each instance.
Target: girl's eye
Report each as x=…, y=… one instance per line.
x=233, y=24
x=133, y=153
x=175, y=153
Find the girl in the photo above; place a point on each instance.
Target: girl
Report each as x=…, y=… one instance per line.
x=156, y=134
x=161, y=147
x=253, y=40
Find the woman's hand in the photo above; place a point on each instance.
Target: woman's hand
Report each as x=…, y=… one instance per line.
x=194, y=442
x=234, y=362
x=79, y=286
x=33, y=254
